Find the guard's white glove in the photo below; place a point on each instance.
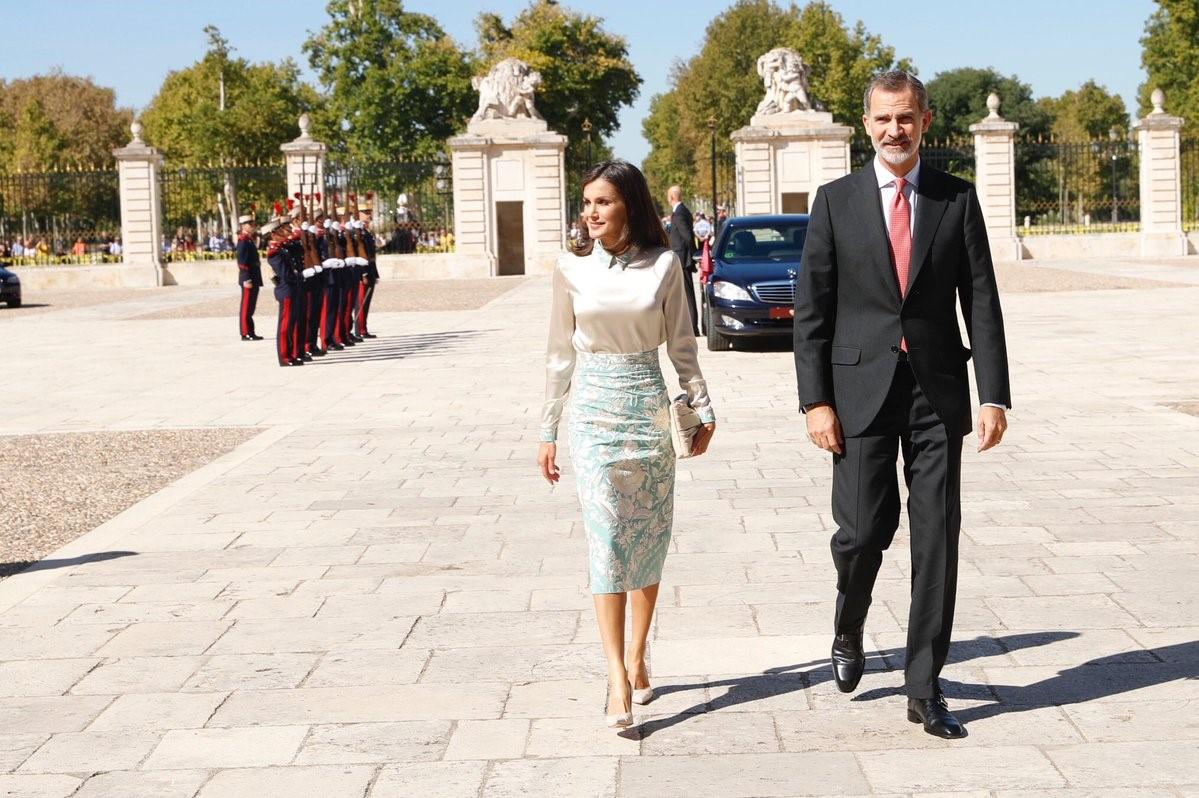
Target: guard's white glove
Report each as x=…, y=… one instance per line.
x=331, y=263
x=318, y=268
x=308, y=273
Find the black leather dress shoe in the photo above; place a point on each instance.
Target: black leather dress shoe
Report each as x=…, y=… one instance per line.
x=254, y=337
x=369, y=335
x=356, y=338
x=306, y=357
x=935, y=715
x=247, y=338
x=336, y=347
x=849, y=660
x=319, y=353
x=297, y=362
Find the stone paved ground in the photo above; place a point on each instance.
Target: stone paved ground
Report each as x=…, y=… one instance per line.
x=378, y=596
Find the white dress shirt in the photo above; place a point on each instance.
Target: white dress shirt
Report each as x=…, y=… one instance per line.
x=886, y=186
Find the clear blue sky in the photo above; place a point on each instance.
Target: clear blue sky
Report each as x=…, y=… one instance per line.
x=130, y=45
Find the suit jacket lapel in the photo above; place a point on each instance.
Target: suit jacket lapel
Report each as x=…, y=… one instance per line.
x=929, y=211
x=874, y=228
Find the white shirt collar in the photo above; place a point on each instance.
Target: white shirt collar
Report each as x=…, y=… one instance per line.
x=624, y=259
x=675, y=206
x=886, y=178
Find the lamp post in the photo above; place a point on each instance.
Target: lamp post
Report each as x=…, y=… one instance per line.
x=1114, y=135
x=712, y=131
x=587, y=129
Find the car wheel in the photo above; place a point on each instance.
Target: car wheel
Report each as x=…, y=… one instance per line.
x=14, y=303
x=716, y=341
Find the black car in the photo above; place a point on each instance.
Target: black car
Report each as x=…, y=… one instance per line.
x=10, y=287
x=751, y=291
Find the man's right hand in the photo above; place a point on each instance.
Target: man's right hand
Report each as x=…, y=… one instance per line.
x=824, y=429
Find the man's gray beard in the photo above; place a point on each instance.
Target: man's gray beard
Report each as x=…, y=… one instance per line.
x=895, y=158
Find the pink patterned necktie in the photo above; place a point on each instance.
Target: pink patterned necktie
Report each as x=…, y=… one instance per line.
x=901, y=240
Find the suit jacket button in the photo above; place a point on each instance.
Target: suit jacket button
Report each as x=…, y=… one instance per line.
x=895, y=349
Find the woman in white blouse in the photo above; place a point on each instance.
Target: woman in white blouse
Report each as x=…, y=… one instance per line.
x=617, y=297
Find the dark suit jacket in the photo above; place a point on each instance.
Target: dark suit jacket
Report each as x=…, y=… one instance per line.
x=682, y=236
x=849, y=316
x=249, y=266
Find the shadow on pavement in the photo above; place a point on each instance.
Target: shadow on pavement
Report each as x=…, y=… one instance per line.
x=31, y=566
x=789, y=678
x=402, y=346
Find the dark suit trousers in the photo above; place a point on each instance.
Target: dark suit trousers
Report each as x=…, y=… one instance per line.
x=689, y=287
x=866, y=511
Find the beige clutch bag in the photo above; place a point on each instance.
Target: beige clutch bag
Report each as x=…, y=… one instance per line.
x=684, y=421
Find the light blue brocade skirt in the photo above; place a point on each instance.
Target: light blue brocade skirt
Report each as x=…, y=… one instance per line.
x=624, y=463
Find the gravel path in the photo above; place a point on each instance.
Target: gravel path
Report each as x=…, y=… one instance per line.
x=55, y=487
x=1023, y=278
x=37, y=302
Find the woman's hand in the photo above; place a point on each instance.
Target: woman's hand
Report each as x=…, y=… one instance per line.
x=703, y=436
x=547, y=454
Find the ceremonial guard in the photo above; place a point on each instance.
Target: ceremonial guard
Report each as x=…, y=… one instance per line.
x=286, y=278
x=353, y=272
x=249, y=275
x=334, y=266
x=370, y=276
x=303, y=273
x=316, y=345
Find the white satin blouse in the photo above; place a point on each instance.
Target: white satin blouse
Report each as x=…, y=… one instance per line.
x=606, y=303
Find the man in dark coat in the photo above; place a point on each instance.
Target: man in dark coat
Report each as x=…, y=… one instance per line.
x=682, y=243
x=881, y=368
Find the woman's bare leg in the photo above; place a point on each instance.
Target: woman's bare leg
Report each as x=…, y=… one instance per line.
x=643, y=602
x=609, y=611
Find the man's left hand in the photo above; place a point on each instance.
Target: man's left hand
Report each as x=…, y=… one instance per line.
x=992, y=423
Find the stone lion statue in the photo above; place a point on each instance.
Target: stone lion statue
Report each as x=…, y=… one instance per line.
x=785, y=76
x=506, y=92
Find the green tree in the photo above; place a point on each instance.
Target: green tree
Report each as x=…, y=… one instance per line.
x=56, y=120
x=1170, y=55
x=224, y=108
x=585, y=70
x=395, y=83
x=959, y=99
x=721, y=82
x=1089, y=112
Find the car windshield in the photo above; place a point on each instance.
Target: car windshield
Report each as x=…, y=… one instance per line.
x=764, y=243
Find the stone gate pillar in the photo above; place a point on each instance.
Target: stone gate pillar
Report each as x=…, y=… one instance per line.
x=788, y=150
x=1158, y=137
x=305, y=161
x=995, y=180
x=509, y=178
x=141, y=203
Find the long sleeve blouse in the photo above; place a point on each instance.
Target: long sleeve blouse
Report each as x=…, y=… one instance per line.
x=605, y=303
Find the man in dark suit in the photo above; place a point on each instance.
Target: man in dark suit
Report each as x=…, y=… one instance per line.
x=682, y=243
x=881, y=369
x=249, y=275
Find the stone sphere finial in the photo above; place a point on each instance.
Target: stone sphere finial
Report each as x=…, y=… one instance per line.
x=305, y=125
x=136, y=128
x=993, y=106
x=1158, y=98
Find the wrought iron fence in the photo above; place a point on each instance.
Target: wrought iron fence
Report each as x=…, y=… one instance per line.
x=1189, y=153
x=60, y=217
x=413, y=200
x=200, y=205
x=1077, y=187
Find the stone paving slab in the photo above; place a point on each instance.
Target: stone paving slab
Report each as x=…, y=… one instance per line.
x=388, y=601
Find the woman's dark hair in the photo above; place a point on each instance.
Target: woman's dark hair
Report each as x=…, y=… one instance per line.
x=643, y=228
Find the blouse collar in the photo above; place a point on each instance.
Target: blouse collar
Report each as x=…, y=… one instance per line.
x=624, y=259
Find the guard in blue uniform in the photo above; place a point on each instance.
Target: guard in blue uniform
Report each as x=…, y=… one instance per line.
x=249, y=275
x=370, y=272
x=281, y=258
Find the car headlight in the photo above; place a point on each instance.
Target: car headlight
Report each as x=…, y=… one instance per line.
x=727, y=290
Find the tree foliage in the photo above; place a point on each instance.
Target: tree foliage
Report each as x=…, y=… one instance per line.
x=1170, y=55
x=395, y=83
x=261, y=105
x=1086, y=113
x=959, y=99
x=56, y=120
x=721, y=82
x=585, y=70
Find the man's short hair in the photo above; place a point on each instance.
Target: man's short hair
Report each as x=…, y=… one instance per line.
x=895, y=81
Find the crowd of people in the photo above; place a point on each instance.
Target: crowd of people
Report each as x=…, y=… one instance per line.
x=31, y=250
